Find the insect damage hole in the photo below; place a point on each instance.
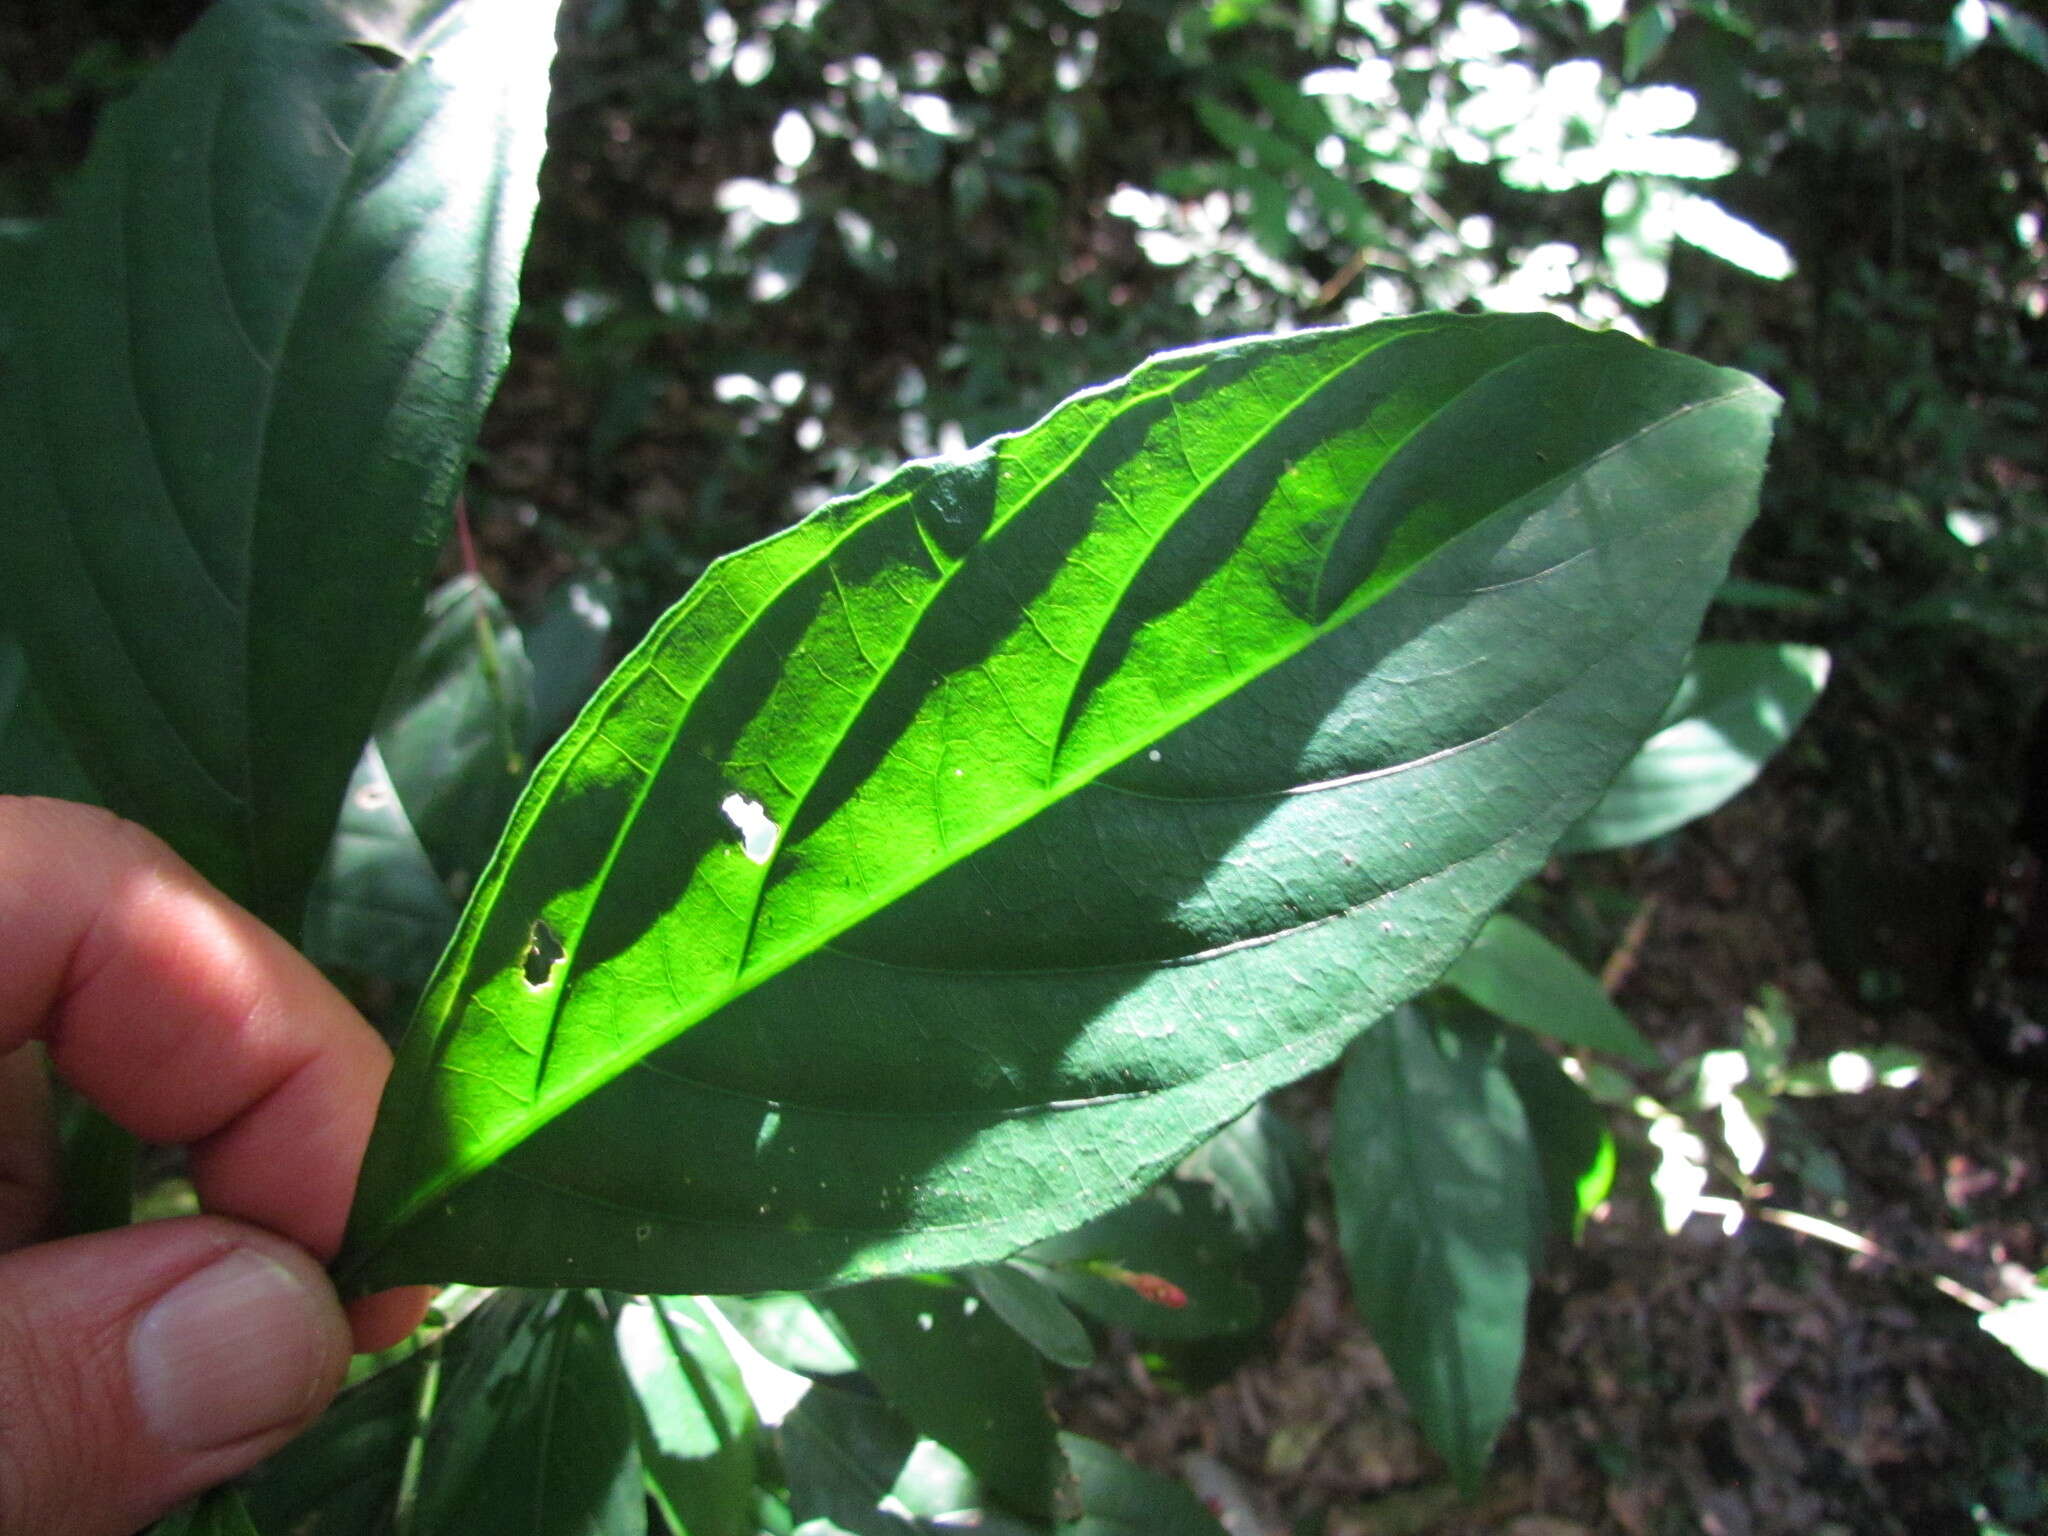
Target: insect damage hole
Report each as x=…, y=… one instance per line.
x=757, y=831
x=544, y=952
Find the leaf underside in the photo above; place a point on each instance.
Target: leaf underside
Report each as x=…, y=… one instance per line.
x=940, y=871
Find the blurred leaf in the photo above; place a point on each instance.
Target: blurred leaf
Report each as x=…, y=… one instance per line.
x=35, y=759
x=455, y=727
x=1515, y=972
x=857, y=1465
x=1571, y=1136
x=243, y=396
x=1439, y=1200
x=790, y=1332
x=1855, y=1071
x=2021, y=1325
x=565, y=646
x=1969, y=24
x=378, y=905
x=1016, y=1294
x=2022, y=33
x=1120, y=1498
x=497, y=1459
x=696, y=1421
x=959, y=1376
x=218, y=1512
x=1737, y=705
x=1648, y=31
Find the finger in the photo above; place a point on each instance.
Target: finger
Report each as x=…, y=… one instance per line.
x=147, y=1363
x=185, y=1019
x=28, y=1149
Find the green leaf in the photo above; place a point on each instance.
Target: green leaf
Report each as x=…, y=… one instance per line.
x=2022, y=33
x=1647, y=33
x=1439, y=1202
x=1574, y=1146
x=258, y=342
x=456, y=725
x=565, y=644
x=35, y=759
x=939, y=872
x=537, y=1436
x=1016, y=1294
x=697, y=1424
x=1224, y=1233
x=378, y=906
x=791, y=1332
x=218, y=1512
x=1515, y=972
x=856, y=1465
x=1120, y=1498
x=960, y=1377
x=1737, y=705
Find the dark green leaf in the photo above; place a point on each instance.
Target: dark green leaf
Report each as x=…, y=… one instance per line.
x=378, y=906
x=97, y=1162
x=1648, y=31
x=536, y=1437
x=697, y=1424
x=565, y=645
x=455, y=727
x=1514, y=971
x=790, y=1332
x=35, y=759
x=940, y=871
x=259, y=339
x=1573, y=1144
x=1120, y=1498
x=1016, y=1295
x=1439, y=1201
x=1211, y=1251
x=857, y=1465
x=2022, y=33
x=1737, y=705
x=219, y=1512
x=959, y=1376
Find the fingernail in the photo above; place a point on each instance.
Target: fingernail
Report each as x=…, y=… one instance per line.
x=242, y=1346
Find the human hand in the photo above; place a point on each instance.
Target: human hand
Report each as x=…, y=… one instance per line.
x=142, y=1365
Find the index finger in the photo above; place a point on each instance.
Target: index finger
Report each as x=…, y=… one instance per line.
x=184, y=1018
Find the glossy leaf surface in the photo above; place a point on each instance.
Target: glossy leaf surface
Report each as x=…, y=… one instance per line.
x=1515, y=972
x=939, y=872
x=1735, y=707
x=1439, y=1213
x=258, y=342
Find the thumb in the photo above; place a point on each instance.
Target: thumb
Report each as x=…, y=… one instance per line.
x=142, y=1365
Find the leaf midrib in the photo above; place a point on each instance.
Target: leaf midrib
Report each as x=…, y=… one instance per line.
x=550, y=1105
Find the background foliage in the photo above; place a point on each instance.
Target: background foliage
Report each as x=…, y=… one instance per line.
x=783, y=246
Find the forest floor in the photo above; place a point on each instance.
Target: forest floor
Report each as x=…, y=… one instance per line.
x=1739, y=1384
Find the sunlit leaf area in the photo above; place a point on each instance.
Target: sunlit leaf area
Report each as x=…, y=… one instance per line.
x=1109, y=767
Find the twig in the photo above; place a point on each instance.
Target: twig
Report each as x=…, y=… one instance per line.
x=1841, y=1237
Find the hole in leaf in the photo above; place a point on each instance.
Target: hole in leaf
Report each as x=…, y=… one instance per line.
x=757, y=831
x=544, y=952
